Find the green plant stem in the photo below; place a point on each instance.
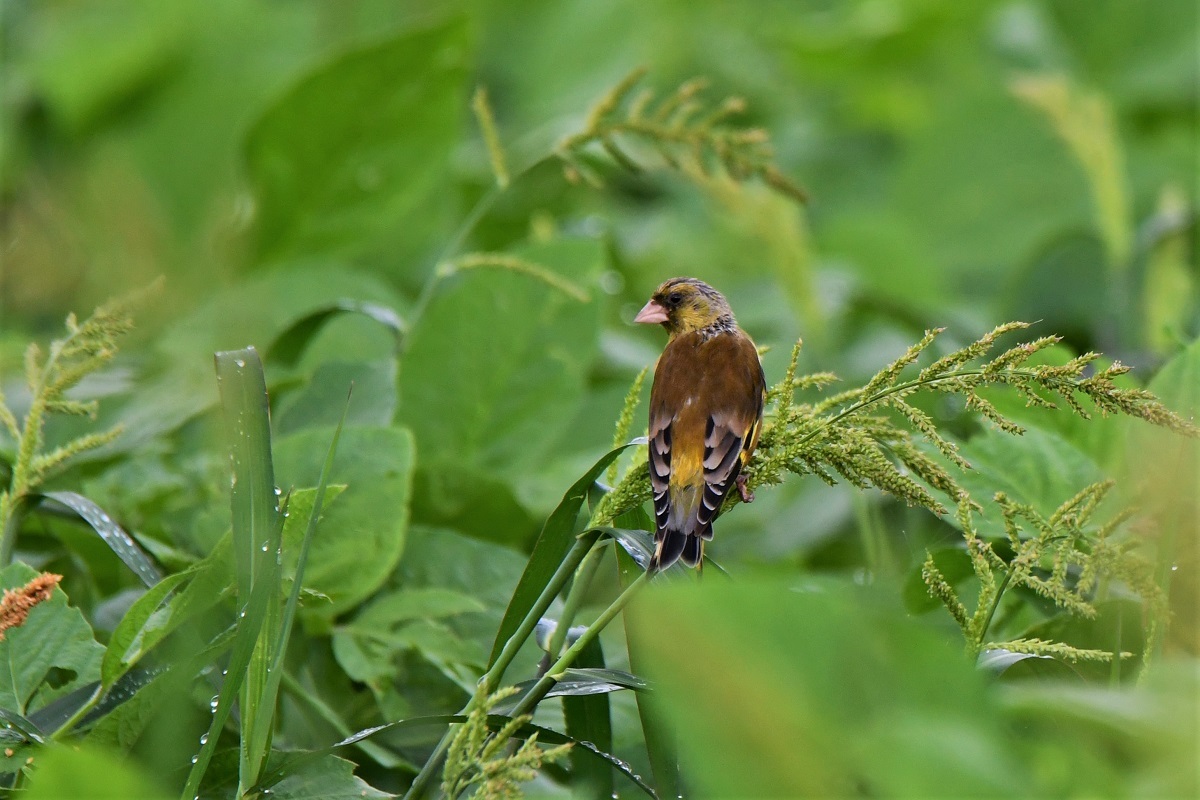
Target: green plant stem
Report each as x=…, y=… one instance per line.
x=494, y=675
x=535, y=695
x=579, y=586
x=987, y=622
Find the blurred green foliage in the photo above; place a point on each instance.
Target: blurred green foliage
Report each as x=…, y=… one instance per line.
x=307, y=176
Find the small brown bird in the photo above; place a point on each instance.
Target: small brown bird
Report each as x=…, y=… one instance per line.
x=706, y=410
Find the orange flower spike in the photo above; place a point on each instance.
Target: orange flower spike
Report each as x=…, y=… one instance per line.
x=706, y=409
x=17, y=603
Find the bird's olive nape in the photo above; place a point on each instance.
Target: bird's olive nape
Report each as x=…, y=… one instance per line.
x=454, y=360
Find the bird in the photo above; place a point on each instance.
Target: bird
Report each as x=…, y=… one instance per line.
x=706, y=410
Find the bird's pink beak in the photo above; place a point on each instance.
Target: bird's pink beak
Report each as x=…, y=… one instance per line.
x=651, y=313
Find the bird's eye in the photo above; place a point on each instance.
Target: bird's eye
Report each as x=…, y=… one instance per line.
x=674, y=298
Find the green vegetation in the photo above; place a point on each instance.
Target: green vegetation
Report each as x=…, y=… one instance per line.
x=395, y=544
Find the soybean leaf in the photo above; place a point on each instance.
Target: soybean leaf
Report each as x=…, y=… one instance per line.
x=496, y=364
x=318, y=404
x=355, y=152
x=289, y=346
x=360, y=538
x=49, y=655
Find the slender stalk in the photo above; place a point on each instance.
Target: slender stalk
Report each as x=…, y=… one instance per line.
x=546, y=682
x=579, y=587
x=987, y=623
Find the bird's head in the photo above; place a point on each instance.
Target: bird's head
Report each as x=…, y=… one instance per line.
x=683, y=305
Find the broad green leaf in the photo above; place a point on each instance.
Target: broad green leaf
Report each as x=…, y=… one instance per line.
x=473, y=501
x=327, y=778
x=319, y=403
x=289, y=345
x=1039, y=468
x=367, y=645
x=551, y=547
x=983, y=150
x=50, y=654
x=91, y=772
x=361, y=537
x=300, y=507
x=94, y=56
x=357, y=154
x=496, y=363
x=141, y=622
x=848, y=697
x=157, y=698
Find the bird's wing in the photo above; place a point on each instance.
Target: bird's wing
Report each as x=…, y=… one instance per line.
x=705, y=412
x=738, y=390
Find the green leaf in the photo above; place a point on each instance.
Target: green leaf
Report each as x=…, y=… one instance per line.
x=289, y=345
x=361, y=537
x=256, y=543
x=90, y=772
x=1039, y=468
x=318, y=404
x=849, y=697
x=551, y=547
x=113, y=535
x=300, y=507
x=327, y=778
x=954, y=564
x=472, y=501
x=140, y=699
x=49, y=655
x=140, y=628
x=496, y=364
x=357, y=153
x=92, y=58
x=367, y=646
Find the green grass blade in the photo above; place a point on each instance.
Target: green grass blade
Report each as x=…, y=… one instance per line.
x=275, y=671
x=120, y=542
x=257, y=537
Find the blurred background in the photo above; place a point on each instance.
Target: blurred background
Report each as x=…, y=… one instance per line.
x=966, y=163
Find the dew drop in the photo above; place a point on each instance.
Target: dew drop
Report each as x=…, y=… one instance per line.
x=1174, y=568
x=213, y=703
x=239, y=362
x=264, y=548
x=195, y=759
x=203, y=739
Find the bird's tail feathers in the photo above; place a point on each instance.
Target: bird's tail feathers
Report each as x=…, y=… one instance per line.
x=673, y=545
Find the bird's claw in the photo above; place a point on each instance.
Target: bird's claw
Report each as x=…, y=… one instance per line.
x=746, y=494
